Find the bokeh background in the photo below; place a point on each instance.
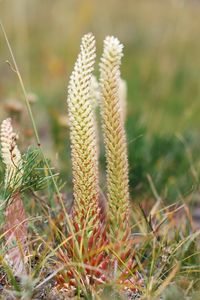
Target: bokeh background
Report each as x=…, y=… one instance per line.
x=161, y=65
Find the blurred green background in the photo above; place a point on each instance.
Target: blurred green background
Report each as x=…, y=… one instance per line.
x=161, y=65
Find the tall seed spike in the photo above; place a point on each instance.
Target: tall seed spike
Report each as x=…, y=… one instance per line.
x=82, y=134
x=114, y=137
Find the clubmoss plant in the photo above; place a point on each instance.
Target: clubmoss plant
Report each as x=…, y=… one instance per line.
x=99, y=237
x=15, y=217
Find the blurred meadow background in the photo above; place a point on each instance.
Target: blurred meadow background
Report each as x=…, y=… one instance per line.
x=161, y=66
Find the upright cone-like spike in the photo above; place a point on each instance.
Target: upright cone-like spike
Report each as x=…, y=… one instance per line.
x=83, y=137
x=114, y=137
